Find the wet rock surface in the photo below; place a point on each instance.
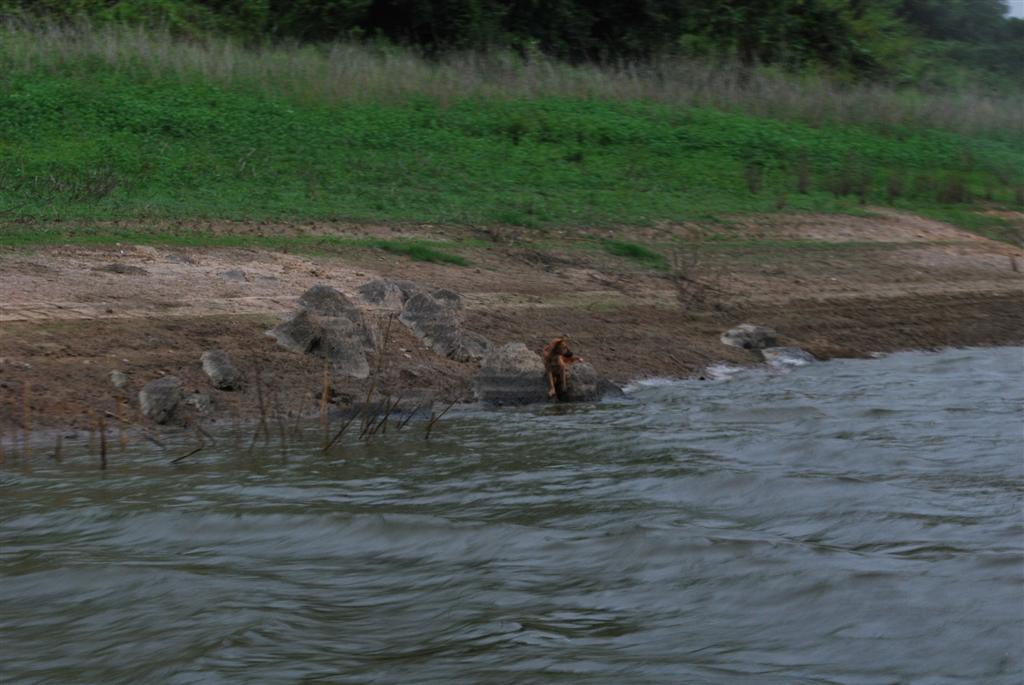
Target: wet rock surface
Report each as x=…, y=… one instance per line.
x=159, y=399
x=787, y=356
x=512, y=374
x=750, y=337
x=581, y=384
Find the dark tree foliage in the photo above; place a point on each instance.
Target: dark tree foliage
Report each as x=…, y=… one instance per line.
x=841, y=35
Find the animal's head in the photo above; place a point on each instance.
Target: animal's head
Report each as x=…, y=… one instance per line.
x=559, y=346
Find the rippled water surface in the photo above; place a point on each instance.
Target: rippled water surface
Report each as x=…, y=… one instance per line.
x=854, y=522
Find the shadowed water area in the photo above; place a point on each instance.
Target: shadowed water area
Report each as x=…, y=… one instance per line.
x=854, y=522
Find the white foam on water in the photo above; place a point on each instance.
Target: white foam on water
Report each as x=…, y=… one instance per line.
x=657, y=382
x=722, y=372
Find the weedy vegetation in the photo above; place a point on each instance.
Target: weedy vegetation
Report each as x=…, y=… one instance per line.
x=108, y=122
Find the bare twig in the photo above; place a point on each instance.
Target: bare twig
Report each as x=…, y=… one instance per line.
x=103, y=442
x=341, y=431
x=382, y=424
x=25, y=423
x=401, y=424
x=435, y=419
x=381, y=353
x=188, y=454
x=122, y=440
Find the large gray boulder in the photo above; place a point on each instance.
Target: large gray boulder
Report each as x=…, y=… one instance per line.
x=437, y=322
x=750, y=337
x=387, y=293
x=448, y=297
x=581, y=384
x=159, y=399
x=222, y=374
x=328, y=325
x=512, y=374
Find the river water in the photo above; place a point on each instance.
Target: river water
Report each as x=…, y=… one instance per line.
x=856, y=522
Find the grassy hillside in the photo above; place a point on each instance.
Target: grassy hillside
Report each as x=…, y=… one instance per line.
x=88, y=135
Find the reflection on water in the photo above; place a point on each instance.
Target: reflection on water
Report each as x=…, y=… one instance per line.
x=855, y=522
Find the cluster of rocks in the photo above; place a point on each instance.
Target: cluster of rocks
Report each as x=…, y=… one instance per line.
x=163, y=399
x=328, y=324
x=765, y=342
x=435, y=317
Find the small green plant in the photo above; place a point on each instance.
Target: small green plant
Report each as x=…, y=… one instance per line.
x=416, y=250
x=639, y=253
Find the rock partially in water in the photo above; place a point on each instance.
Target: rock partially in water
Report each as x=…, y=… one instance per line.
x=159, y=399
x=750, y=337
x=512, y=374
x=438, y=324
x=787, y=356
x=328, y=325
x=222, y=374
x=606, y=388
x=581, y=384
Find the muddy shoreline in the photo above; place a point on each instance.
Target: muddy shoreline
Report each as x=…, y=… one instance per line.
x=879, y=285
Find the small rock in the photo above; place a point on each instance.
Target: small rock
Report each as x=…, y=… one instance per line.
x=512, y=374
x=234, y=275
x=200, y=402
x=180, y=258
x=217, y=366
x=118, y=379
x=787, y=356
x=159, y=399
x=750, y=337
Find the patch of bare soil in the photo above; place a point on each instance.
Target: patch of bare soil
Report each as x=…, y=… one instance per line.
x=70, y=316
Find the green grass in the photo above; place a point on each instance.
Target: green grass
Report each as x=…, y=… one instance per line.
x=638, y=253
x=417, y=251
x=22, y=236
x=83, y=141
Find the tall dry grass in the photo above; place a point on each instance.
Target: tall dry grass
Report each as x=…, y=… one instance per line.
x=342, y=72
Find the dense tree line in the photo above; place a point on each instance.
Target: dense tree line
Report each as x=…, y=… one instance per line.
x=938, y=41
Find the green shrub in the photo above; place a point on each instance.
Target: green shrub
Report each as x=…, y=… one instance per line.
x=639, y=253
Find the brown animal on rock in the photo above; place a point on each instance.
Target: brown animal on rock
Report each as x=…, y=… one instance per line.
x=557, y=357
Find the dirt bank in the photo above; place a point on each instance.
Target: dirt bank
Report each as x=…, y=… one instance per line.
x=839, y=286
